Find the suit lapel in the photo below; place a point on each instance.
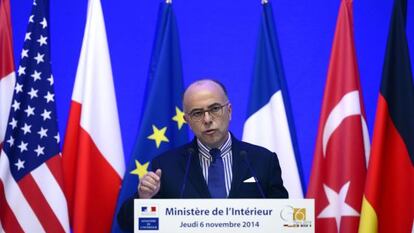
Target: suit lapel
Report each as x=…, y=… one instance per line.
x=195, y=174
x=239, y=168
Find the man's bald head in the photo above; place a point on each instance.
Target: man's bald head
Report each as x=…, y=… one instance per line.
x=203, y=85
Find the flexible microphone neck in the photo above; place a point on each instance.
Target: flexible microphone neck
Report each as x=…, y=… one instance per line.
x=259, y=187
x=190, y=152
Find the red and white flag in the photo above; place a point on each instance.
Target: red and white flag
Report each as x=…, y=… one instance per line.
x=93, y=157
x=342, y=146
x=7, y=76
x=31, y=183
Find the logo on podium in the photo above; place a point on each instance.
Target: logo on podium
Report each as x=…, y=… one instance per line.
x=294, y=217
x=152, y=221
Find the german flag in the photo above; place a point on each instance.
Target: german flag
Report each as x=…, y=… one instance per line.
x=388, y=204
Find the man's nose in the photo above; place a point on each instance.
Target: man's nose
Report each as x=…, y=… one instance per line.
x=207, y=117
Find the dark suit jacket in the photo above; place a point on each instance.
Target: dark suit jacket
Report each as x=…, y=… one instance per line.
x=263, y=164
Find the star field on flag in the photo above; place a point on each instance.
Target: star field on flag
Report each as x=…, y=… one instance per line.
x=31, y=137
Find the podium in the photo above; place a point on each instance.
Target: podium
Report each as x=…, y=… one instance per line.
x=224, y=215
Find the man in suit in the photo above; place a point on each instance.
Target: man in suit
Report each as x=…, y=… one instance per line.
x=215, y=164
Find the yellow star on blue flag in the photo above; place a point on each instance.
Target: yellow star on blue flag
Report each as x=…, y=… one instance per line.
x=179, y=117
x=158, y=135
x=140, y=169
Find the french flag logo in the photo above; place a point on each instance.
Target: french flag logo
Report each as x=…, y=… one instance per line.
x=148, y=210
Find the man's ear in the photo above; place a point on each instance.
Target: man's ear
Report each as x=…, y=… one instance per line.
x=187, y=120
x=230, y=110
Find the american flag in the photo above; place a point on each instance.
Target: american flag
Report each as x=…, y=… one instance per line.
x=31, y=195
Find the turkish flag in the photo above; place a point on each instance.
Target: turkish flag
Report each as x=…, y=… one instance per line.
x=342, y=146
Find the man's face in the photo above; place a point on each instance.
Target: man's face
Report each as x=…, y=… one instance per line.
x=211, y=127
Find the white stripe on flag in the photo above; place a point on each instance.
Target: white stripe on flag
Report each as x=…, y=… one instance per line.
x=53, y=193
x=268, y=127
x=99, y=115
x=6, y=95
x=17, y=202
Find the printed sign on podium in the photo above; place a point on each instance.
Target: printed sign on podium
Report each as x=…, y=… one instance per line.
x=224, y=215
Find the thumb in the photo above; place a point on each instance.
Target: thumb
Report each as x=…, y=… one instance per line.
x=158, y=173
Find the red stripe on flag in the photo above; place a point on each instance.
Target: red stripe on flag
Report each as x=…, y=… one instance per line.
x=69, y=158
x=91, y=183
x=8, y=220
x=39, y=204
x=55, y=166
x=390, y=182
x=6, y=45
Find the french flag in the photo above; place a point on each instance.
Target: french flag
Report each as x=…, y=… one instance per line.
x=269, y=123
x=148, y=209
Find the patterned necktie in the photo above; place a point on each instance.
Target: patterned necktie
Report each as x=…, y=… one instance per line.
x=216, y=183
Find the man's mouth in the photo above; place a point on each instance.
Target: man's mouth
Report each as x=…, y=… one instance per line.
x=210, y=131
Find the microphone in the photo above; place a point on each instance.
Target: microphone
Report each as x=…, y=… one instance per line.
x=259, y=187
x=190, y=152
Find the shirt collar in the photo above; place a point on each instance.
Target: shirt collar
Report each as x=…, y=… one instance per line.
x=204, y=149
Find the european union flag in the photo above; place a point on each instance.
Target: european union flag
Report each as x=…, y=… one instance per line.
x=162, y=126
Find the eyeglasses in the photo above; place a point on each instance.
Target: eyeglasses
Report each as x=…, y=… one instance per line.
x=214, y=111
